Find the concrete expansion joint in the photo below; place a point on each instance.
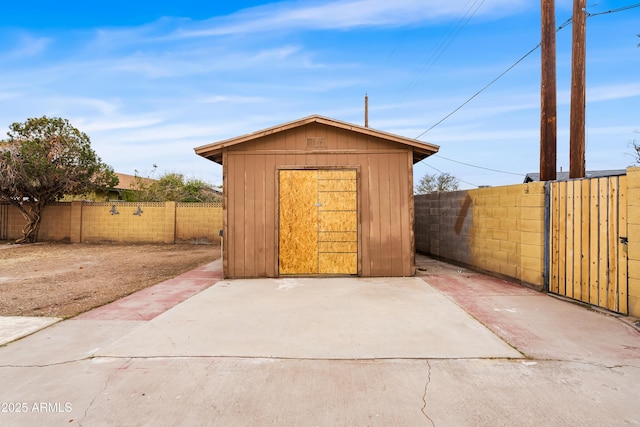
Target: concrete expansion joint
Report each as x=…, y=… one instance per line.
x=615, y=366
x=47, y=365
x=312, y=359
x=586, y=363
x=622, y=366
x=424, y=395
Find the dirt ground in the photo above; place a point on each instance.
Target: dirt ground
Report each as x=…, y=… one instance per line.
x=63, y=280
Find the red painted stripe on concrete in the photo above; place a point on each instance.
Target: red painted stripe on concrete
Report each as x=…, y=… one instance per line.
x=154, y=300
x=474, y=293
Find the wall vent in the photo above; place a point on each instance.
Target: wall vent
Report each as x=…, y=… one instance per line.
x=316, y=143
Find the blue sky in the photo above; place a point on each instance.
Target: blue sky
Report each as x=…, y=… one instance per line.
x=148, y=82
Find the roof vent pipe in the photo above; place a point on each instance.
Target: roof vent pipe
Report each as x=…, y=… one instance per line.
x=366, y=111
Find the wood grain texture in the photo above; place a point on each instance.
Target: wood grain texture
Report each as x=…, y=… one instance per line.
x=338, y=263
x=225, y=218
x=383, y=222
x=577, y=240
x=586, y=240
x=612, y=242
x=271, y=226
x=588, y=261
x=337, y=221
x=603, y=255
x=316, y=205
x=569, y=232
x=250, y=221
x=298, y=222
x=338, y=236
x=594, y=248
x=623, y=277
x=338, y=201
x=554, y=240
x=562, y=239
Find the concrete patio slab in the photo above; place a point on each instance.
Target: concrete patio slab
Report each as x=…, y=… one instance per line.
x=278, y=392
x=311, y=318
x=538, y=325
x=582, y=369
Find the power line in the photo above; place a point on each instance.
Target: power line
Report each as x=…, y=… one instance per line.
x=478, y=167
x=562, y=26
x=620, y=9
x=444, y=44
x=461, y=180
x=480, y=91
x=565, y=24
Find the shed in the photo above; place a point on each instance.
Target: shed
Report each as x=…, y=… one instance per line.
x=318, y=196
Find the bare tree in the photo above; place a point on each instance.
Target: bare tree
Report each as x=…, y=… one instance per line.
x=636, y=147
x=437, y=183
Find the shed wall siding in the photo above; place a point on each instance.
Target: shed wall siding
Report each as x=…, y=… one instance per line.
x=385, y=193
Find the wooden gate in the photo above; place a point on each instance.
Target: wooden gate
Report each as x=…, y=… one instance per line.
x=588, y=241
x=318, y=224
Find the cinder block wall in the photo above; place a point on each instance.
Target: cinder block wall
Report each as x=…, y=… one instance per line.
x=13, y=222
x=198, y=221
x=499, y=230
x=633, y=230
x=442, y=226
x=507, y=232
x=99, y=224
x=94, y=222
x=56, y=222
x=422, y=223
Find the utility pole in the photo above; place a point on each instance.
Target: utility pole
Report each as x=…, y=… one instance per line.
x=548, y=103
x=578, y=78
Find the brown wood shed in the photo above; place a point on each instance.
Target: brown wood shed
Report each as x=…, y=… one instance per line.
x=318, y=196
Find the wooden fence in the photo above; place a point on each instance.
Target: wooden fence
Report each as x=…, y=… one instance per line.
x=588, y=241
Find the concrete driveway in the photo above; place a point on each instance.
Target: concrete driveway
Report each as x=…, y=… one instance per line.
x=447, y=348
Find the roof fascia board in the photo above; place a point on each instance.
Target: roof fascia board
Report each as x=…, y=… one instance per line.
x=210, y=149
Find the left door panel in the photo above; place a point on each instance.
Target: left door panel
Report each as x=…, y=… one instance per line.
x=298, y=220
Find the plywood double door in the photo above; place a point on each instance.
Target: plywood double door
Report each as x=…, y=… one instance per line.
x=318, y=222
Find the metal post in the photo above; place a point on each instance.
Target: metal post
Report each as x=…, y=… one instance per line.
x=366, y=111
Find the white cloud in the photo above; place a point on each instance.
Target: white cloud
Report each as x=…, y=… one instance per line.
x=168, y=133
x=112, y=124
x=8, y=95
x=151, y=93
x=612, y=92
x=99, y=105
x=230, y=99
x=299, y=15
x=29, y=46
x=186, y=60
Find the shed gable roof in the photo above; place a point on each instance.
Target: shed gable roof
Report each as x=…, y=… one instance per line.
x=420, y=149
